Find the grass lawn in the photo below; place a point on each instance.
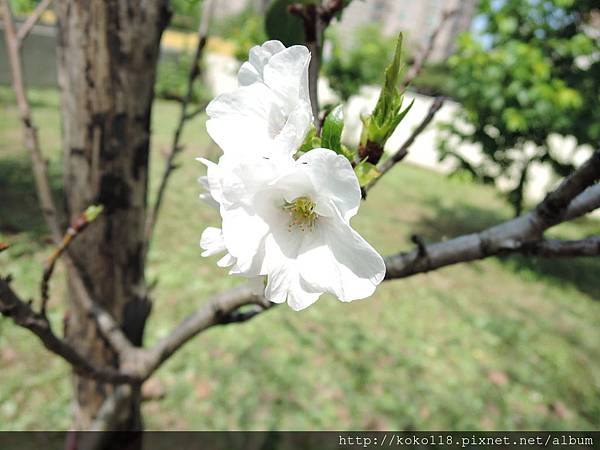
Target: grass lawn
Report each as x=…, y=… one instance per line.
x=498, y=344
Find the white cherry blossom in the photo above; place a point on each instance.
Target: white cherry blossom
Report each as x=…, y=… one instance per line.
x=285, y=221
x=270, y=110
x=289, y=220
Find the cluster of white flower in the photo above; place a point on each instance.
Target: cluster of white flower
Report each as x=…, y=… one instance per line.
x=283, y=218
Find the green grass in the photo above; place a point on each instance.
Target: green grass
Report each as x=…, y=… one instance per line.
x=497, y=344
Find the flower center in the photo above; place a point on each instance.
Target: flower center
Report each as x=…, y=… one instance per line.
x=302, y=213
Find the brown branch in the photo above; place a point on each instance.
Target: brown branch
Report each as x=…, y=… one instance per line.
x=40, y=169
x=105, y=322
x=197, y=111
x=176, y=147
x=423, y=56
x=518, y=235
x=3, y=246
x=73, y=231
x=22, y=314
x=562, y=249
x=27, y=26
x=223, y=308
x=511, y=236
x=401, y=153
x=571, y=199
x=313, y=39
x=586, y=202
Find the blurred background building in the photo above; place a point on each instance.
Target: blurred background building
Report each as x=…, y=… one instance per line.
x=416, y=18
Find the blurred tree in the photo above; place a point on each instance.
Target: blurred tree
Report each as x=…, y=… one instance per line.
x=533, y=71
x=245, y=30
x=107, y=72
x=172, y=79
x=185, y=14
x=20, y=7
x=359, y=62
x=434, y=79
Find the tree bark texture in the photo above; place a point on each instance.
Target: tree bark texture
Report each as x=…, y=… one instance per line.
x=108, y=53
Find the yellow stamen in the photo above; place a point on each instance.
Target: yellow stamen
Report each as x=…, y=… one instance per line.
x=302, y=213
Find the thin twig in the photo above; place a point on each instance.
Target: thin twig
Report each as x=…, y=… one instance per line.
x=423, y=56
x=197, y=111
x=73, y=231
x=49, y=268
x=40, y=169
x=29, y=23
x=176, y=147
x=401, y=153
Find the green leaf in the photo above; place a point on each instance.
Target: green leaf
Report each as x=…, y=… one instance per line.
x=400, y=115
x=92, y=212
x=332, y=130
x=280, y=24
x=366, y=172
x=386, y=116
x=310, y=141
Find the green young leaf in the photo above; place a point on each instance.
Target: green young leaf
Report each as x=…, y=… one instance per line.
x=280, y=24
x=390, y=95
x=310, y=141
x=349, y=154
x=366, y=172
x=386, y=116
x=92, y=212
x=331, y=135
x=400, y=115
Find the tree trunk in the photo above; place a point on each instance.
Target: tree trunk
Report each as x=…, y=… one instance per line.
x=108, y=53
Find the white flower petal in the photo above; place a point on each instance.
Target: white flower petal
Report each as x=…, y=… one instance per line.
x=334, y=180
x=281, y=263
x=212, y=241
x=226, y=261
x=295, y=129
x=252, y=70
x=278, y=283
x=246, y=120
x=244, y=232
x=286, y=73
x=337, y=259
x=213, y=178
x=299, y=298
x=283, y=284
x=238, y=180
x=205, y=196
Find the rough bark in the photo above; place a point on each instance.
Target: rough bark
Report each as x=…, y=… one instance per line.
x=108, y=52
